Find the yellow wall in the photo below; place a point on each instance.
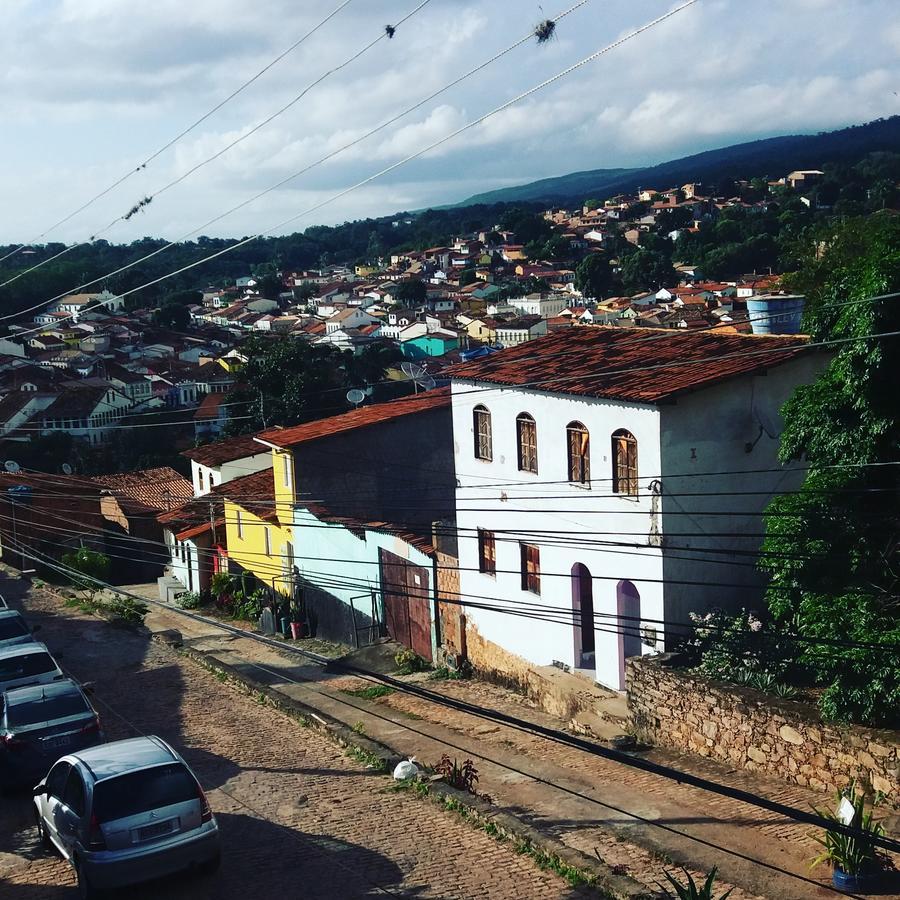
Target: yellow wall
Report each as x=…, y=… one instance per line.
x=478, y=331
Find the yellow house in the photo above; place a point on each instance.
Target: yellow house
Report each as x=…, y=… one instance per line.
x=365, y=270
x=258, y=519
x=482, y=330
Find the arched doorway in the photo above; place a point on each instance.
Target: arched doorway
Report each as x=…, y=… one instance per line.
x=583, y=619
x=628, y=609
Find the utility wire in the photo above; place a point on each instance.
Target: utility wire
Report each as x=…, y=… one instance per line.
x=167, y=145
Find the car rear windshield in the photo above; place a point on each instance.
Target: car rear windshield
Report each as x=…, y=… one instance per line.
x=12, y=627
x=137, y=792
x=46, y=710
x=23, y=665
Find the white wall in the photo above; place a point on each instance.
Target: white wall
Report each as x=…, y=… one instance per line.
x=216, y=475
x=185, y=561
x=571, y=521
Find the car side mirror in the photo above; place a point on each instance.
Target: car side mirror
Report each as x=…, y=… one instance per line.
x=39, y=790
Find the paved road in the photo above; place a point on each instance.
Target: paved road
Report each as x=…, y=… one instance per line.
x=298, y=818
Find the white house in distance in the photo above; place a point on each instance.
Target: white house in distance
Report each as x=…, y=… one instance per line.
x=222, y=461
x=621, y=492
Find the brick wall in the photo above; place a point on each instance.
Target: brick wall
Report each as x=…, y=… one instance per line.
x=671, y=707
x=452, y=615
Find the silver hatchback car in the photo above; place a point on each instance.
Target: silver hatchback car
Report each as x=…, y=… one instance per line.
x=126, y=812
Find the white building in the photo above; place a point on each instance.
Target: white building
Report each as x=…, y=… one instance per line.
x=222, y=461
x=544, y=305
x=518, y=331
x=598, y=496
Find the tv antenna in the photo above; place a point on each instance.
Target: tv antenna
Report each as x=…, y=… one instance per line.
x=418, y=376
x=12, y=466
x=355, y=396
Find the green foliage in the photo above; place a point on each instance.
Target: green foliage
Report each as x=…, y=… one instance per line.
x=410, y=293
x=90, y=568
x=592, y=204
x=593, y=276
x=647, y=270
x=222, y=583
x=374, y=692
x=127, y=610
x=467, y=277
x=462, y=777
x=831, y=548
x=690, y=890
x=190, y=600
x=408, y=661
x=853, y=855
x=249, y=607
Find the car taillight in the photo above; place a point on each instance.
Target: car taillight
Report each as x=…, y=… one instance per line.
x=96, y=841
x=11, y=742
x=93, y=725
x=205, y=811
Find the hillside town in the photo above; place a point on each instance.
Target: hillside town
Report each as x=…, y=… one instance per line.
x=447, y=470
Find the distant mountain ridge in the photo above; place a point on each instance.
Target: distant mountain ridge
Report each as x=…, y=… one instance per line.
x=773, y=157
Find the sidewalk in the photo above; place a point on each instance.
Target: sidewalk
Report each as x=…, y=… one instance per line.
x=638, y=823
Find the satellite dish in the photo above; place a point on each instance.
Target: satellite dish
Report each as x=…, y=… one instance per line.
x=67, y=469
x=355, y=396
x=12, y=466
x=419, y=377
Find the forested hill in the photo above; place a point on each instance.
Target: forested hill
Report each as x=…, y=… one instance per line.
x=771, y=157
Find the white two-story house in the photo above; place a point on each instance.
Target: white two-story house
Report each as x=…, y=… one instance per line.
x=610, y=482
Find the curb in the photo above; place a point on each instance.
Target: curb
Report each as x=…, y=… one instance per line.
x=547, y=851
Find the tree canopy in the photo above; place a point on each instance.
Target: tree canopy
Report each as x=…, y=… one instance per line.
x=831, y=549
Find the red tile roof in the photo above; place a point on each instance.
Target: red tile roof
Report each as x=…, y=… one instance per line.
x=358, y=526
x=619, y=363
x=358, y=418
x=160, y=488
x=220, y=452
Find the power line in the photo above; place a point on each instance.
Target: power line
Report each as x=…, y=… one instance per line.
x=294, y=175
x=667, y=772
x=421, y=152
x=170, y=143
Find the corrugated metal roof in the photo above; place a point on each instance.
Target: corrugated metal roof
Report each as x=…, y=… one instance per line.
x=358, y=418
x=620, y=364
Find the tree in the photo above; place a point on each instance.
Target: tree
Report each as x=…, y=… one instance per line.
x=174, y=316
x=410, y=293
x=269, y=287
x=592, y=204
x=89, y=568
x=466, y=277
x=593, y=276
x=645, y=270
x=831, y=549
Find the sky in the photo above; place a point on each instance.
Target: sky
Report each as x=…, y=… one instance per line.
x=91, y=88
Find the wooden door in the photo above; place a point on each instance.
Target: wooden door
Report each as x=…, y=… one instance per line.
x=407, y=605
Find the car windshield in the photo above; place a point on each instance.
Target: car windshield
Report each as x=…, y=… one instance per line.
x=45, y=710
x=13, y=667
x=137, y=792
x=12, y=627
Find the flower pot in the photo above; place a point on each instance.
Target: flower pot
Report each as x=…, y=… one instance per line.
x=851, y=884
x=296, y=630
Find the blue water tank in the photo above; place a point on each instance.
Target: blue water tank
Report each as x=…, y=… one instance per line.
x=776, y=313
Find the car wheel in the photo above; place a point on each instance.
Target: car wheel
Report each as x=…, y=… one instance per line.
x=85, y=889
x=43, y=837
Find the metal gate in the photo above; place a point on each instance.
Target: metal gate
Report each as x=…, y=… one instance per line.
x=407, y=604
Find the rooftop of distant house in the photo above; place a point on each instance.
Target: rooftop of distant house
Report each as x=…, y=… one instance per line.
x=220, y=452
x=363, y=417
x=618, y=363
x=160, y=488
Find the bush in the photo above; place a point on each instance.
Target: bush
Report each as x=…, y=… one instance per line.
x=408, y=661
x=127, y=610
x=692, y=891
x=190, y=600
x=90, y=569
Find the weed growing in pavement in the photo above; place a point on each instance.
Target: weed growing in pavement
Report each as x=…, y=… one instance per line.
x=359, y=728
x=371, y=693
x=462, y=777
x=413, y=785
x=408, y=662
x=367, y=758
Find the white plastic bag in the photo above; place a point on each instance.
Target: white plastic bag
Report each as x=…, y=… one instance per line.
x=405, y=769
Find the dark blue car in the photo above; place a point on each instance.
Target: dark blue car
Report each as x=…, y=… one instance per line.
x=39, y=724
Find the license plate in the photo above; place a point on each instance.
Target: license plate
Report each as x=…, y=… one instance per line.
x=57, y=742
x=152, y=831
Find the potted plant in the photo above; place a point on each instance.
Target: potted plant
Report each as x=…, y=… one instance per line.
x=855, y=861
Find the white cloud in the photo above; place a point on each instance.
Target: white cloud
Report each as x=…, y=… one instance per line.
x=91, y=87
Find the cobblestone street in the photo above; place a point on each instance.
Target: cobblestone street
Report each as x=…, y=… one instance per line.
x=298, y=817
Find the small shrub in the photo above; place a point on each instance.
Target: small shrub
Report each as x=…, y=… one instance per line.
x=127, y=610
x=462, y=777
x=408, y=661
x=690, y=890
x=189, y=600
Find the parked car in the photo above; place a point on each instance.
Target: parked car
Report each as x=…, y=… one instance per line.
x=27, y=664
x=38, y=724
x=14, y=629
x=126, y=812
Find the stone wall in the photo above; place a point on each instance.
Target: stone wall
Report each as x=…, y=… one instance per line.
x=671, y=707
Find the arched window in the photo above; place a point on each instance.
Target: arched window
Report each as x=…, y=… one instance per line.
x=481, y=421
x=526, y=439
x=579, y=443
x=624, y=463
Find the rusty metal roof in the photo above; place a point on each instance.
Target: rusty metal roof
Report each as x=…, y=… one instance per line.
x=640, y=366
